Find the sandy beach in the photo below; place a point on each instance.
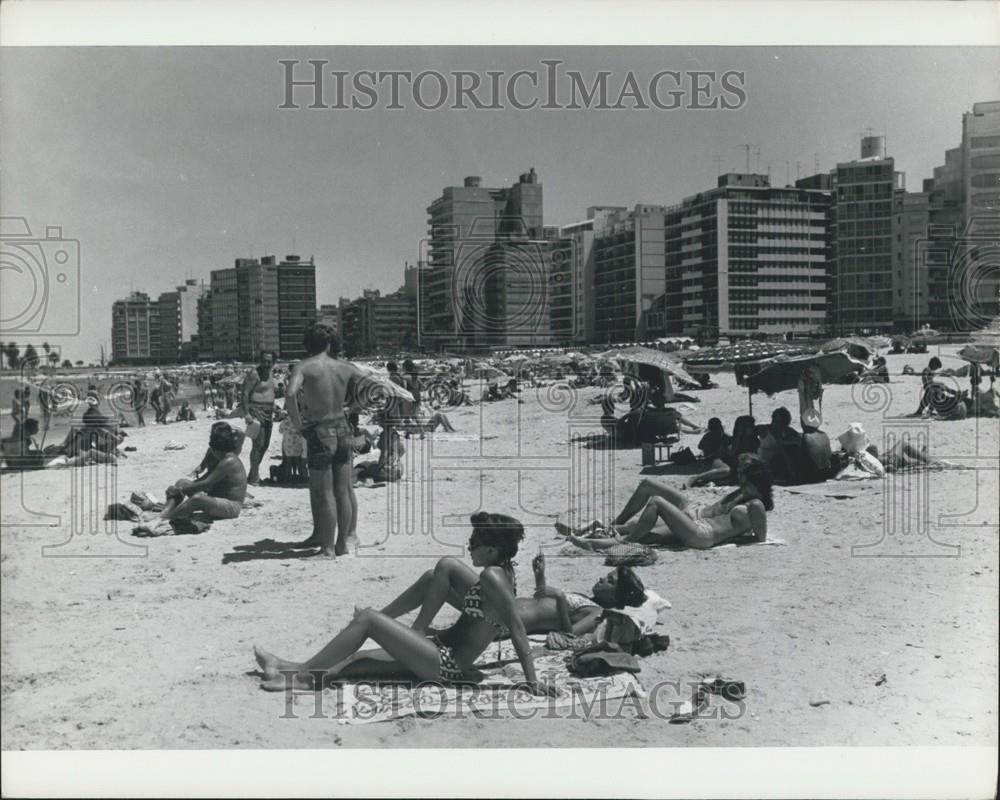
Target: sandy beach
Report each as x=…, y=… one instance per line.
x=874, y=624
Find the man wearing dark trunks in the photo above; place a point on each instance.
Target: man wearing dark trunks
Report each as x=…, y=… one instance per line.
x=315, y=398
x=258, y=406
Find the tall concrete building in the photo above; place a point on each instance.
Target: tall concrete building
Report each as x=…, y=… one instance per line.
x=469, y=274
x=296, y=304
x=379, y=324
x=629, y=269
x=329, y=314
x=964, y=220
x=572, y=312
x=179, y=321
x=920, y=283
x=748, y=257
x=135, y=330
x=261, y=305
x=204, y=338
x=866, y=202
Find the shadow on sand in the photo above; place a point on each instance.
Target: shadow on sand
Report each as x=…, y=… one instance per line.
x=269, y=549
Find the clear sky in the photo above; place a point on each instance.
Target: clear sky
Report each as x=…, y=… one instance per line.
x=166, y=163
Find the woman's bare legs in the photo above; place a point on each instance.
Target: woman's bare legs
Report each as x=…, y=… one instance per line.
x=411, y=650
x=643, y=492
x=679, y=523
x=719, y=472
x=450, y=578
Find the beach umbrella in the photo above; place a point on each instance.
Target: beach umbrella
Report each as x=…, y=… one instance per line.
x=782, y=373
x=647, y=356
x=375, y=387
x=489, y=372
x=924, y=334
x=854, y=346
x=980, y=354
x=727, y=356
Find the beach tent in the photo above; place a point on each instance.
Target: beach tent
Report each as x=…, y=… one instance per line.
x=782, y=373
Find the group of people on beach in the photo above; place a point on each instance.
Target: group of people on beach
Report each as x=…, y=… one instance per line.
x=323, y=397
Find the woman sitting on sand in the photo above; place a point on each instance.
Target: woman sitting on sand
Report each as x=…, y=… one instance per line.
x=744, y=441
x=488, y=609
x=218, y=495
x=741, y=513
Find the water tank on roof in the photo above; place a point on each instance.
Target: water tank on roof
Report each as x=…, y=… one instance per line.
x=873, y=147
x=472, y=182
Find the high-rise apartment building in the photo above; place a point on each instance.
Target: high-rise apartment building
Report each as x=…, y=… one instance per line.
x=296, y=304
x=748, y=257
x=179, y=321
x=964, y=219
x=135, y=330
x=329, y=314
x=378, y=324
x=262, y=305
x=866, y=203
x=571, y=284
x=629, y=269
x=469, y=274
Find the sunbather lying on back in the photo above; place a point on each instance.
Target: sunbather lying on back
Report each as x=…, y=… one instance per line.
x=741, y=513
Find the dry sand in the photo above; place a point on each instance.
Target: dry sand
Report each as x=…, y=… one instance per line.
x=151, y=648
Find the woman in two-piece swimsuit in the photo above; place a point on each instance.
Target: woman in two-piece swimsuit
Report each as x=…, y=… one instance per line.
x=740, y=512
x=488, y=609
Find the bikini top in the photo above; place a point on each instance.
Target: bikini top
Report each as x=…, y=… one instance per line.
x=473, y=607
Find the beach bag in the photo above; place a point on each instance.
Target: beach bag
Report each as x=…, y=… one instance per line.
x=630, y=554
x=683, y=457
x=121, y=512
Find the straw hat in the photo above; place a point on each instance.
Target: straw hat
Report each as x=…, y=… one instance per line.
x=854, y=439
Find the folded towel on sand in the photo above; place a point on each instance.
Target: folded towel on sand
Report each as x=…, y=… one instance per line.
x=497, y=696
x=765, y=543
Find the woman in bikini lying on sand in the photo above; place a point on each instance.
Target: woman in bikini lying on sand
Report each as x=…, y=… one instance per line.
x=741, y=513
x=488, y=610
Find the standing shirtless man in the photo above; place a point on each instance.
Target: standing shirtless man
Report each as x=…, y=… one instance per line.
x=258, y=405
x=325, y=385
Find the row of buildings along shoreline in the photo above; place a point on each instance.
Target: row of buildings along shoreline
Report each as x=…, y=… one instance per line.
x=848, y=250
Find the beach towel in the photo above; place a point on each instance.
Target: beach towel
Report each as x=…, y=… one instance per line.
x=172, y=445
x=498, y=696
x=765, y=543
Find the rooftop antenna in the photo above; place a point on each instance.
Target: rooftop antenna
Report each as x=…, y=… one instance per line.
x=788, y=177
x=718, y=166
x=757, y=167
x=746, y=148
x=798, y=167
x=816, y=163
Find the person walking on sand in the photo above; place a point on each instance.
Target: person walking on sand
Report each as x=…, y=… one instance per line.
x=139, y=399
x=316, y=397
x=258, y=407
